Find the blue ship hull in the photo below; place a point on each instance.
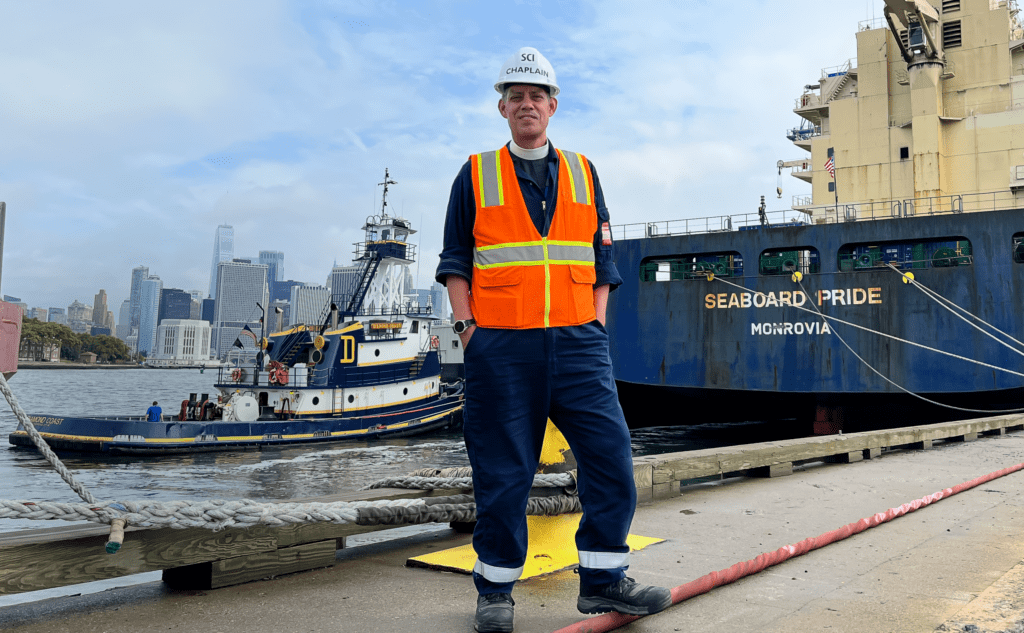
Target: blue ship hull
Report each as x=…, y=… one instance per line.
x=134, y=436
x=739, y=344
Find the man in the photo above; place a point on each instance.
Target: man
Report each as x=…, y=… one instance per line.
x=527, y=262
x=154, y=413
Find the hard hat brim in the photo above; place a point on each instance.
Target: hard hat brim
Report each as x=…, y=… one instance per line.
x=551, y=88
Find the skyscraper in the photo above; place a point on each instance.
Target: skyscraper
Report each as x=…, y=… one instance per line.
x=274, y=261
x=149, y=313
x=139, y=274
x=175, y=304
x=56, y=315
x=342, y=283
x=99, y=309
x=223, y=250
x=308, y=304
x=124, y=327
x=240, y=286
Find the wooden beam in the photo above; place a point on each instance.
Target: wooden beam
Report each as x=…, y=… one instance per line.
x=71, y=554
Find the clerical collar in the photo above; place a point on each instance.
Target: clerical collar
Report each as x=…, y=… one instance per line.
x=529, y=154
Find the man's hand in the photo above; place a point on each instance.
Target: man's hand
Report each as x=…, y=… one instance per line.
x=458, y=295
x=465, y=336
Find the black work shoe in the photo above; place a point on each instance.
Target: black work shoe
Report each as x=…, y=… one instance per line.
x=494, y=613
x=625, y=596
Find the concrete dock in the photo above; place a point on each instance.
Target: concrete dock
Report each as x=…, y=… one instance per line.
x=949, y=566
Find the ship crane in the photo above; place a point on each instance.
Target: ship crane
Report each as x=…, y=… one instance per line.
x=920, y=20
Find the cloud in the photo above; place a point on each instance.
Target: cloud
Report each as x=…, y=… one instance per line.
x=131, y=132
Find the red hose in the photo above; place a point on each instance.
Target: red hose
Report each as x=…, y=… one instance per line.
x=704, y=584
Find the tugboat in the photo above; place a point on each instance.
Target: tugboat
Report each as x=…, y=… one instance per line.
x=366, y=369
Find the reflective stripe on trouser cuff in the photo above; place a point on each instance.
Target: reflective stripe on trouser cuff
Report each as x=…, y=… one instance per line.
x=497, y=574
x=603, y=560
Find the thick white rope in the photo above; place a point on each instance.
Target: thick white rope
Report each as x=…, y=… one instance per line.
x=41, y=444
x=557, y=480
x=949, y=305
x=219, y=514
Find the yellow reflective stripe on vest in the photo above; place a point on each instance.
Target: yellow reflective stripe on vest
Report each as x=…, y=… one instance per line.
x=489, y=176
x=577, y=177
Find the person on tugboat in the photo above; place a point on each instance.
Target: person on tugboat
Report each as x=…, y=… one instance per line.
x=527, y=260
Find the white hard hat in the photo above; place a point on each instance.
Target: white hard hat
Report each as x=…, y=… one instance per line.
x=527, y=66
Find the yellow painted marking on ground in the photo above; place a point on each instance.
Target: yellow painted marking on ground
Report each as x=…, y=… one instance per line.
x=552, y=547
x=555, y=445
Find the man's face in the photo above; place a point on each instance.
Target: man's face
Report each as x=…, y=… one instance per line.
x=528, y=109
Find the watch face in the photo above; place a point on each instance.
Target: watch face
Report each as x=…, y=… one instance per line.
x=460, y=327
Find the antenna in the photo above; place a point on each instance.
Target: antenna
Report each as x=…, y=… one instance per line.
x=384, y=197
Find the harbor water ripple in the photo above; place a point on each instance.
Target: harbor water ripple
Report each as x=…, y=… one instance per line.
x=267, y=475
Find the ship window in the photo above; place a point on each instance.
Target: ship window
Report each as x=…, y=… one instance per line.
x=949, y=6
x=1018, y=248
x=696, y=266
x=785, y=261
x=904, y=153
x=831, y=152
x=831, y=186
x=455, y=344
x=951, y=34
x=943, y=252
x=414, y=328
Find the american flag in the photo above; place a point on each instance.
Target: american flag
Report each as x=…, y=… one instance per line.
x=830, y=166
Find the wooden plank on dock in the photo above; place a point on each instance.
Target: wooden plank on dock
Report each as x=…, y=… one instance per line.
x=234, y=571
x=70, y=554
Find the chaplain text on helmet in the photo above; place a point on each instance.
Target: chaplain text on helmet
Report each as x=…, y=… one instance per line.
x=527, y=66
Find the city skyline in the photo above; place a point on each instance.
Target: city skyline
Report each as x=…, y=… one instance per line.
x=280, y=117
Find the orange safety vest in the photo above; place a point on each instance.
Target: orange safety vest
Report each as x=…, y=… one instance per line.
x=520, y=279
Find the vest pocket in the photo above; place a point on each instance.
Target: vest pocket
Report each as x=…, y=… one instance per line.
x=499, y=296
x=582, y=301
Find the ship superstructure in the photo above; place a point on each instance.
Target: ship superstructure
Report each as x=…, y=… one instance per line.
x=926, y=118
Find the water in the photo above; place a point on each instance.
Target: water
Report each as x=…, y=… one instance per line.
x=268, y=475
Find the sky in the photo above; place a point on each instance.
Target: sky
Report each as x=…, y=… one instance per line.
x=129, y=131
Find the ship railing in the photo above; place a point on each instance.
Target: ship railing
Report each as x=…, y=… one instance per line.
x=824, y=214
x=691, y=226
x=872, y=24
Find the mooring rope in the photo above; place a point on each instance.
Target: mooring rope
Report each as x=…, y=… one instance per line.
x=825, y=318
x=41, y=444
x=949, y=305
x=557, y=480
x=218, y=514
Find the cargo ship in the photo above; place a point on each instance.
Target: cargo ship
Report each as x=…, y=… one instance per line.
x=367, y=368
x=893, y=293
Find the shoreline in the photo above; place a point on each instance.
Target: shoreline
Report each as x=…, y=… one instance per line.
x=46, y=365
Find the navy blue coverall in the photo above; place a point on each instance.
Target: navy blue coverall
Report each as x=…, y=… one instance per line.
x=515, y=380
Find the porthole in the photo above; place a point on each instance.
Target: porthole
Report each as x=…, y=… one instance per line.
x=405, y=391
x=316, y=400
x=351, y=398
x=376, y=352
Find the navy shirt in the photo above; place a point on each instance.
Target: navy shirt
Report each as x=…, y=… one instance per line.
x=457, y=254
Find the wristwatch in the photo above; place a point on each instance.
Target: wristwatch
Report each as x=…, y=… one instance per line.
x=462, y=326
